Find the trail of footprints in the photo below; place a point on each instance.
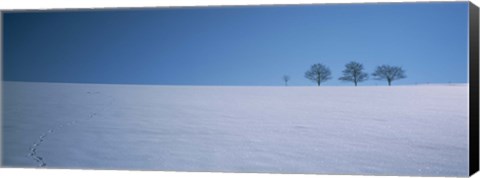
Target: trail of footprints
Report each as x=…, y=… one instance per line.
x=33, y=149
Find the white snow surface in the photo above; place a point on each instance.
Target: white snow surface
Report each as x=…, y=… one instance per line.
x=371, y=130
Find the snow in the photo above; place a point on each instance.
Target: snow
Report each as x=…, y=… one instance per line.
x=372, y=130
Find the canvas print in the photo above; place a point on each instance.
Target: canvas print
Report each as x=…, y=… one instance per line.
x=358, y=89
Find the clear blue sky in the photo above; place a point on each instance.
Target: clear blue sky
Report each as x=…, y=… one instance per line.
x=241, y=45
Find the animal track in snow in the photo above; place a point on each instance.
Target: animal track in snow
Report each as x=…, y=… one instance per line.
x=33, y=149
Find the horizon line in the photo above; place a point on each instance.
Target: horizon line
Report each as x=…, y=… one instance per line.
x=186, y=85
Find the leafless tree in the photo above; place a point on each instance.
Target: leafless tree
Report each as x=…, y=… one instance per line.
x=354, y=73
x=389, y=73
x=318, y=73
x=286, y=78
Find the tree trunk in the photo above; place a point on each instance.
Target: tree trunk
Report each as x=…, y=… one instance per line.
x=389, y=82
x=318, y=83
x=355, y=83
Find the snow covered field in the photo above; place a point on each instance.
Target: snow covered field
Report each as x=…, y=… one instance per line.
x=398, y=130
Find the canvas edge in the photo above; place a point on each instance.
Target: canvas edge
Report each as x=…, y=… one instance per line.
x=1, y=87
x=473, y=89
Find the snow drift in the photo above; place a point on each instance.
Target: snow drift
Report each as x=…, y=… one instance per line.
x=398, y=130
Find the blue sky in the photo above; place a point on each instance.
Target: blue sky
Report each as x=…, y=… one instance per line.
x=243, y=45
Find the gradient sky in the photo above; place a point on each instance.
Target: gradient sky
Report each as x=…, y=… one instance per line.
x=241, y=45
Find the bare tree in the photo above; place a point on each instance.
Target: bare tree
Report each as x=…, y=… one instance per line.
x=389, y=73
x=354, y=73
x=318, y=73
x=286, y=78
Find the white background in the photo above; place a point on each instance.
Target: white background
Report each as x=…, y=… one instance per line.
x=75, y=4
